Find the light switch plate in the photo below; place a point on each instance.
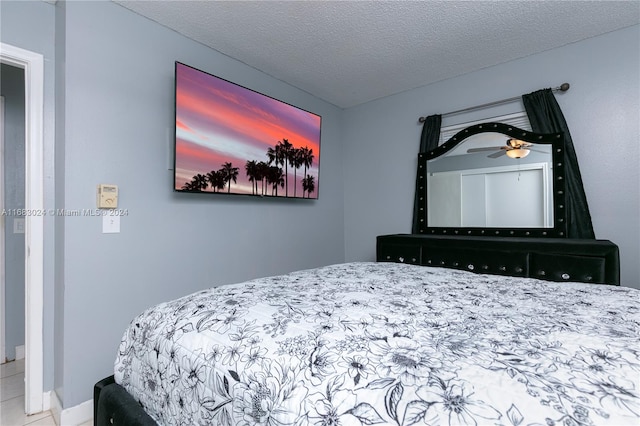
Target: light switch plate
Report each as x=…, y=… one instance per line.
x=18, y=225
x=110, y=224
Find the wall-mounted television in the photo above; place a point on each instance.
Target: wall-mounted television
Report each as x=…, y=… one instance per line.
x=233, y=140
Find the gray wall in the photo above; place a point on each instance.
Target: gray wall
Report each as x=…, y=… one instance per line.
x=12, y=88
x=601, y=109
x=30, y=25
x=118, y=120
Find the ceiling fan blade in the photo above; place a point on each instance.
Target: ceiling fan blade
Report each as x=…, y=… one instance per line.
x=497, y=154
x=537, y=150
x=486, y=148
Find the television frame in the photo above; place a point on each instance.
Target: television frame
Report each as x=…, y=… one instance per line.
x=229, y=138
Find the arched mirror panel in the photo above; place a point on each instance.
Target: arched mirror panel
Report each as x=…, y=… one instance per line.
x=494, y=179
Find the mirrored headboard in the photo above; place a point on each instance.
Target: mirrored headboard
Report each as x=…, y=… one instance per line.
x=493, y=179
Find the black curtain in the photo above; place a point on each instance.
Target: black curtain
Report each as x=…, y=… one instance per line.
x=428, y=141
x=546, y=116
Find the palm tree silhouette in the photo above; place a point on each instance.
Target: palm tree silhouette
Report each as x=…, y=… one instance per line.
x=251, y=167
x=262, y=173
x=306, y=156
x=272, y=155
x=308, y=185
x=275, y=178
x=295, y=159
x=188, y=186
x=285, y=154
x=229, y=173
x=216, y=180
x=199, y=182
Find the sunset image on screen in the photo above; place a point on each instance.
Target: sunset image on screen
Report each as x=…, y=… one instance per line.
x=233, y=140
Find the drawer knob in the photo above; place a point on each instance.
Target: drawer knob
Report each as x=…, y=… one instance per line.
x=542, y=273
x=565, y=276
x=518, y=269
x=503, y=268
x=471, y=267
x=401, y=259
x=388, y=257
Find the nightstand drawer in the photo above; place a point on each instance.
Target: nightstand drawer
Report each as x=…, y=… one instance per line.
x=554, y=267
x=480, y=261
x=401, y=253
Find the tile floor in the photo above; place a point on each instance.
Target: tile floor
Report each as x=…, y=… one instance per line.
x=12, y=399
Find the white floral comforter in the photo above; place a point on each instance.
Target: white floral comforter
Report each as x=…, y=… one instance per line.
x=385, y=343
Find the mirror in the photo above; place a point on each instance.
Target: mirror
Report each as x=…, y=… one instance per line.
x=494, y=179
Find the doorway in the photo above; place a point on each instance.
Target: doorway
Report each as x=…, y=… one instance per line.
x=33, y=65
x=13, y=187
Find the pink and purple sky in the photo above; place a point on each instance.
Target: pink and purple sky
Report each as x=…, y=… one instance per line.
x=218, y=121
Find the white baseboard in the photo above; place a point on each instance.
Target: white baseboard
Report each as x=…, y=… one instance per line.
x=46, y=401
x=77, y=415
x=72, y=416
x=20, y=352
x=55, y=406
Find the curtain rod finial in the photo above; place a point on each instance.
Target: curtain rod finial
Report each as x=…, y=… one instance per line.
x=421, y=120
x=564, y=87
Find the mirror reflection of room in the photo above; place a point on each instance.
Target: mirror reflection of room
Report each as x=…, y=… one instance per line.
x=479, y=184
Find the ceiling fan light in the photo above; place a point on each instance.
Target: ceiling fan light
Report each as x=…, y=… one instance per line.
x=518, y=153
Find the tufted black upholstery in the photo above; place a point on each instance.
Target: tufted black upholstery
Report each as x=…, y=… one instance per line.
x=552, y=259
x=113, y=405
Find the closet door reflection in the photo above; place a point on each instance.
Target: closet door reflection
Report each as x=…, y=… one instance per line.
x=493, y=179
x=491, y=198
x=517, y=199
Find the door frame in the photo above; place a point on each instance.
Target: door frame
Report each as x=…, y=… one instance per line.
x=3, y=353
x=33, y=65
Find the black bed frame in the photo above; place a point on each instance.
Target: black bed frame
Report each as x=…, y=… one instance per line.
x=113, y=405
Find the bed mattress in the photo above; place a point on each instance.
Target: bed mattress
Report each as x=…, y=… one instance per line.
x=386, y=343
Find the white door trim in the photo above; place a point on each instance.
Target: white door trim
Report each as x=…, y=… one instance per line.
x=33, y=65
x=3, y=353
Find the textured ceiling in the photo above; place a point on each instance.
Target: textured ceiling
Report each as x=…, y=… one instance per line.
x=351, y=52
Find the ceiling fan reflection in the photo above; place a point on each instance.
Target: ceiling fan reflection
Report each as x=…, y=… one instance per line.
x=514, y=148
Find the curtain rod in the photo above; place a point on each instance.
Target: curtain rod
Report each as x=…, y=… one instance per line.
x=562, y=88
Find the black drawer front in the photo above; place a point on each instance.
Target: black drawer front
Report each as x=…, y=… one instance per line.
x=554, y=267
x=552, y=259
x=401, y=253
x=481, y=261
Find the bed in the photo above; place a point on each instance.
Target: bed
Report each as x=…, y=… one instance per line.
x=381, y=343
